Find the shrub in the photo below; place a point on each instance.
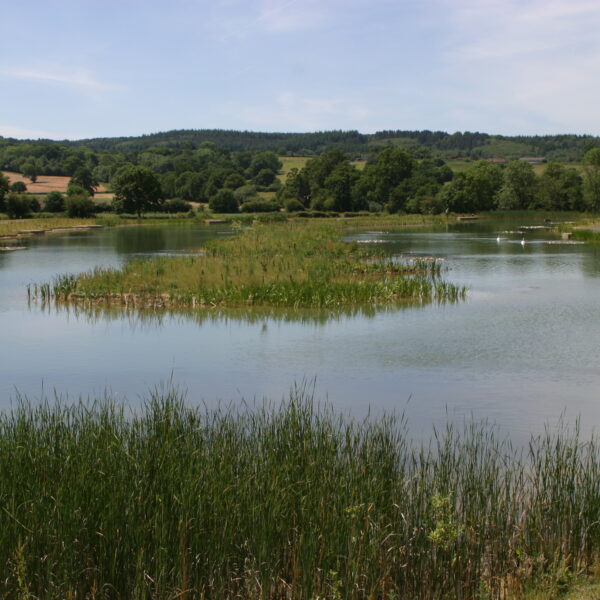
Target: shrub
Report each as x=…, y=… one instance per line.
x=293, y=205
x=54, y=202
x=74, y=189
x=260, y=206
x=18, y=187
x=265, y=177
x=34, y=204
x=316, y=214
x=80, y=205
x=234, y=181
x=18, y=206
x=176, y=205
x=224, y=202
x=103, y=207
x=245, y=193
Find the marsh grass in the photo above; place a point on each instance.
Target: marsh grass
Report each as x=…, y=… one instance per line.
x=586, y=235
x=297, y=265
x=283, y=500
x=15, y=226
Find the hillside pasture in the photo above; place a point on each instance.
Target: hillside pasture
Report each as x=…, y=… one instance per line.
x=45, y=183
x=298, y=162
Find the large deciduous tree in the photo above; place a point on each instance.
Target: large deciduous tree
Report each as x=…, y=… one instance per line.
x=4, y=187
x=84, y=177
x=519, y=186
x=591, y=164
x=474, y=189
x=560, y=188
x=385, y=179
x=136, y=190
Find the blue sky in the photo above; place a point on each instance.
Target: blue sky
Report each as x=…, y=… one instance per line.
x=94, y=68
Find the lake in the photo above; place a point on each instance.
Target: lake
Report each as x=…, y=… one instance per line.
x=520, y=351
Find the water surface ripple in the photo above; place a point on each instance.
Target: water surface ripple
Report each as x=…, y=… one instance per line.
x=522, y=350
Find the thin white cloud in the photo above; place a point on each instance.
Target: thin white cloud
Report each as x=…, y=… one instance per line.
x=81, y=80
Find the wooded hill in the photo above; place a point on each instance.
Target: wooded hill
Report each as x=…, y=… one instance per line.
x=474, y=145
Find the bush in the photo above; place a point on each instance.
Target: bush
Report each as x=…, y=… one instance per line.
x=245, y=193
x=18, y=206
x=234, y=181
x=18, y=187
x=265, y=177
x=224, y=202
x=431, y=205
x=103, y=207
x=293, y=205
x=275, y=186
x=426, y=205
x=54, y=202
x=176, y=205
x=260, y=206
x=80, y=206
x=316, y=214
x=74, y=189
x=34, y=204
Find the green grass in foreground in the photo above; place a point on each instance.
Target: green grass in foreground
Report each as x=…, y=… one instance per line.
x=285, y=501
x=296, y=264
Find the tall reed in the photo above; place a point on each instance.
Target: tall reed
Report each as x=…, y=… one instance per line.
x=283, y=265
x=282, y=500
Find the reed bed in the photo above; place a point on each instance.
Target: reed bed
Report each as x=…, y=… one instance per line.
x=586, y=235
x=16, y=226
x=283, y=501
x=297, y=264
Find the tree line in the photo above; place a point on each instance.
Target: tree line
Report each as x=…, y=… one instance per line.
x=392, y=180
x=396, y=181
x=141, y=181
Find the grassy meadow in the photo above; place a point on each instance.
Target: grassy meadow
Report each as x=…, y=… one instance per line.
x=298, y=162
x=297, y=264
x=287, y=501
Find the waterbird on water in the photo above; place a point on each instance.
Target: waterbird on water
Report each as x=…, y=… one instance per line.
x=522, y=241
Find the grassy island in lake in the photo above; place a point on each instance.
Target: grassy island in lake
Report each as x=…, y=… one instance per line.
x=295, y=264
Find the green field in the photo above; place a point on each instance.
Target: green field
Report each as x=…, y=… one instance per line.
x=298, y=162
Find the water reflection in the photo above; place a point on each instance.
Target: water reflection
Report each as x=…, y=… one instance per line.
x=521, y=350
x=146, y=317
x=137, y=239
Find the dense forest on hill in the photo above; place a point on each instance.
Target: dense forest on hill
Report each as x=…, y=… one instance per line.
x=466, y=144
x=302, y=144
x=474, y=145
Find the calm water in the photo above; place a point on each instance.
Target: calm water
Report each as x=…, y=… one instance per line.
x=520, y=351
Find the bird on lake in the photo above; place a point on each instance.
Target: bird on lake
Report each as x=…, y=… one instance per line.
x=522, y=241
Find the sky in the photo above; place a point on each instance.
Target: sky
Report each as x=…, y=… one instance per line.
x=72, y=69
